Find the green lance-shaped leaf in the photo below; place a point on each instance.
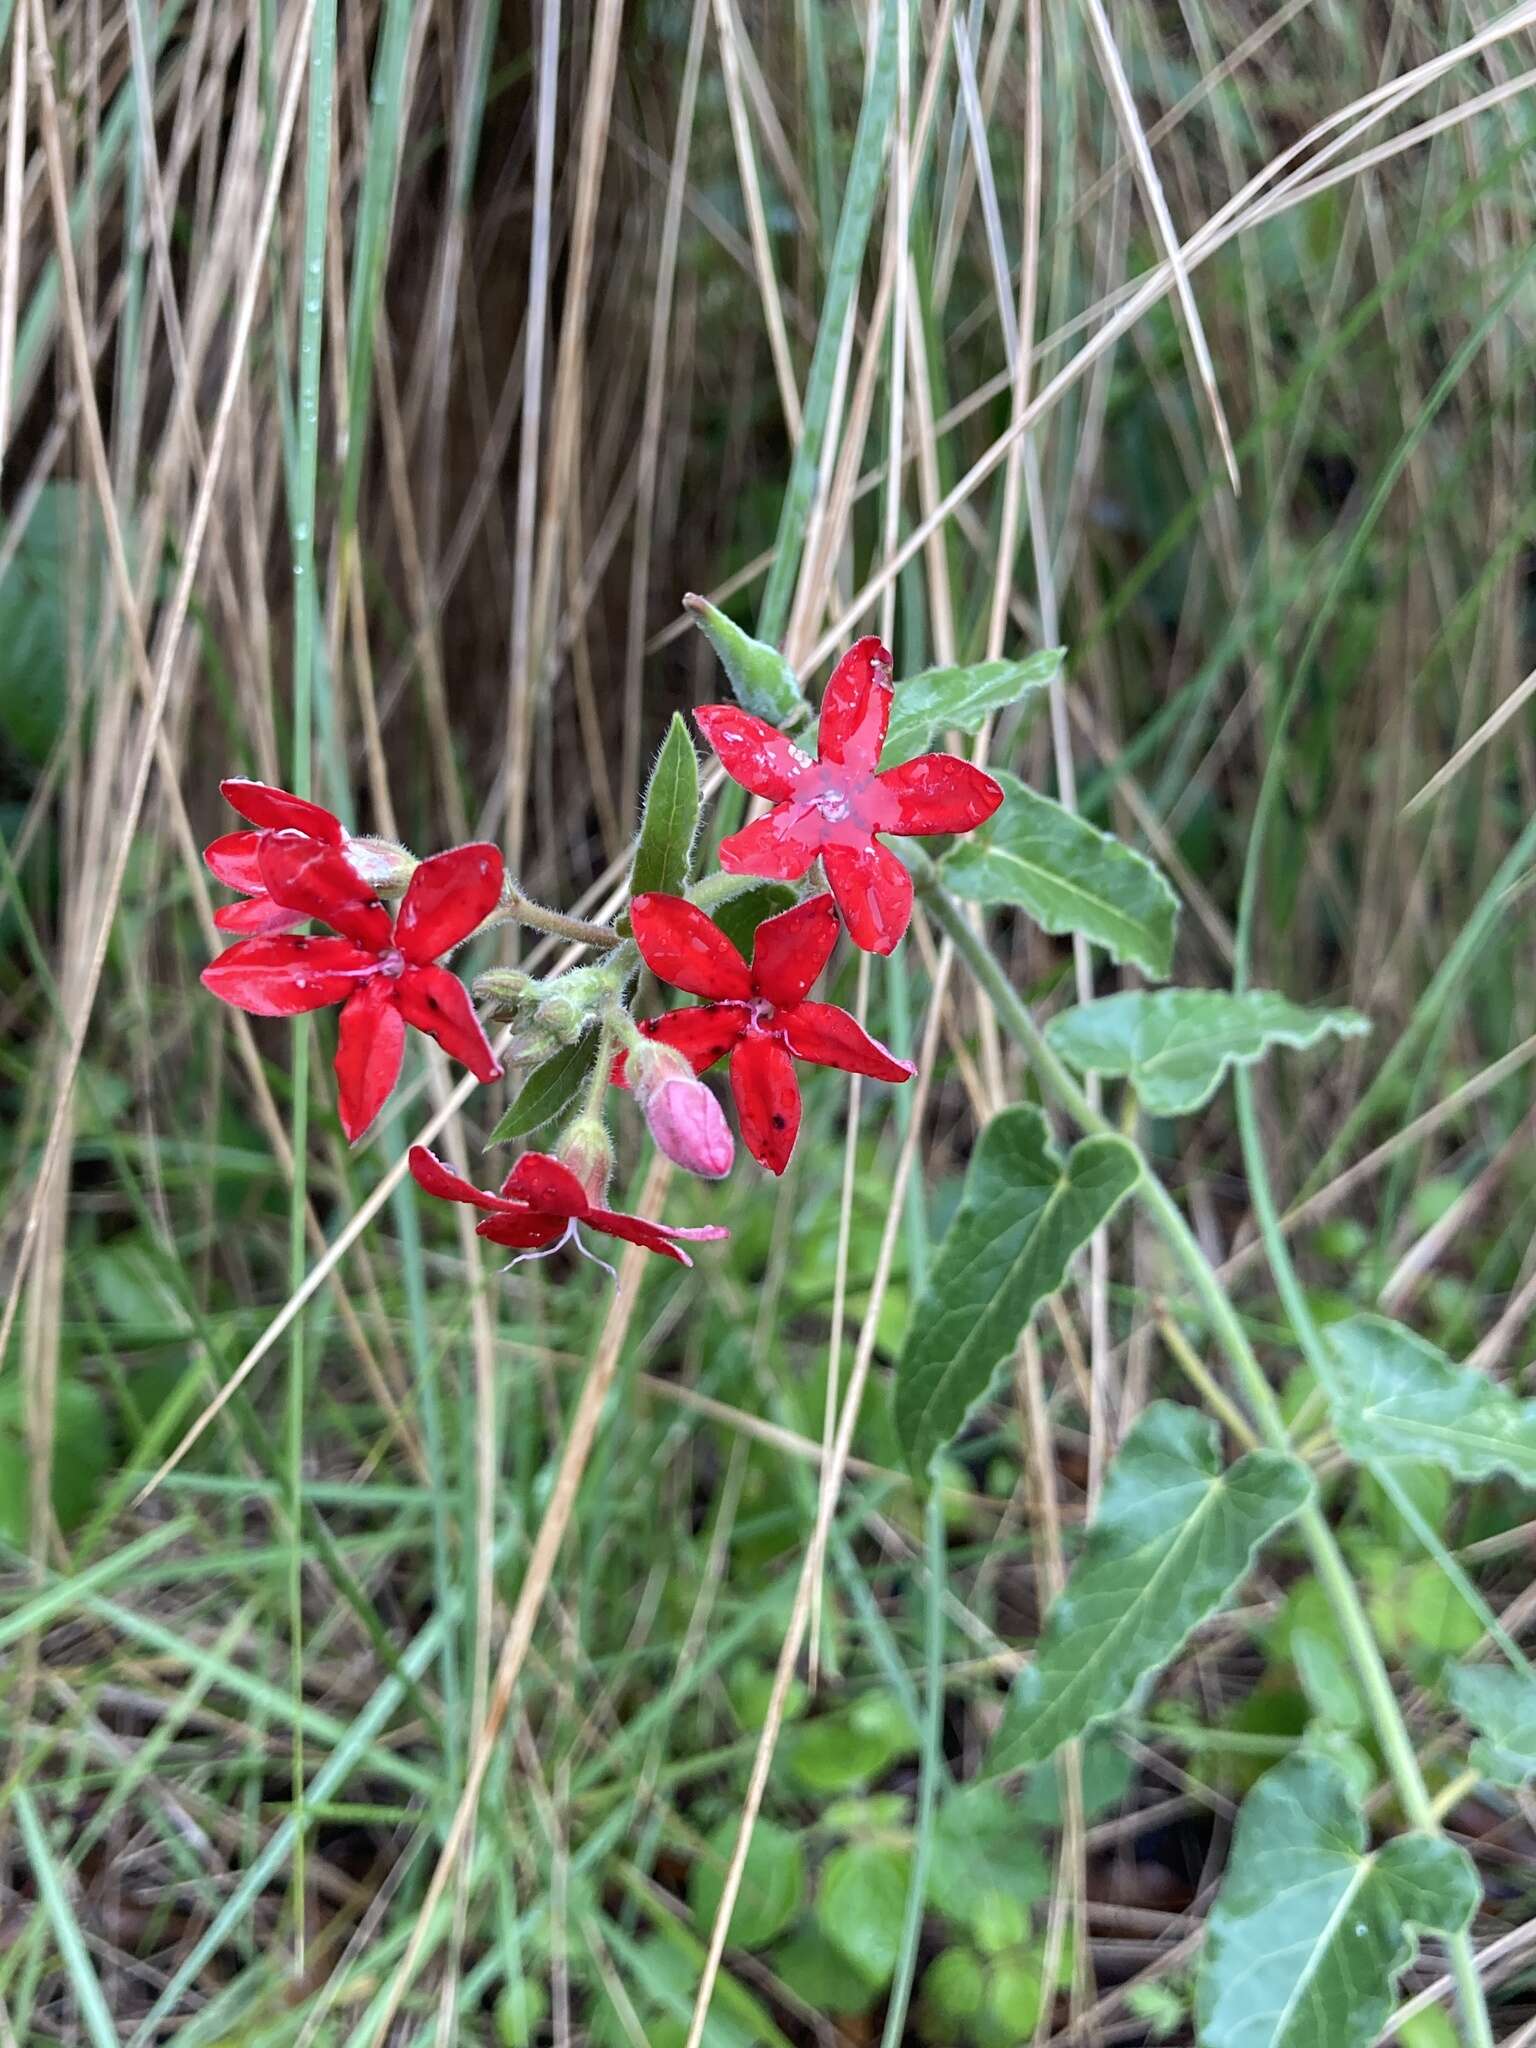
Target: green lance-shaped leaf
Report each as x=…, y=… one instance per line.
x=1501, y=1706
x=940, y=700
x=1173, y=1538
x=764, y=682
x=1175, y=1044
x=1311, y=1930
x=548, y=1090
x=1039, y=857
x=670, y=820
x=1394, y=1396
x=1024, y=1214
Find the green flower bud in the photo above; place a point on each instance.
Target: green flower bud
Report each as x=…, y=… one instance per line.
x=762, y=679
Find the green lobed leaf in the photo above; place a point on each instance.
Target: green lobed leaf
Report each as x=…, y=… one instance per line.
x=1039, y=857
x=1174, y=1536
x=1175, y=1044
x=670, y=819
x=1024, y=1213
x=983, y=1850
x=940, y=700
x=1395, y=1396
x=772, y=1882
x=1310, y=1930
x=763, y=681
x=860, y=1905
x=82, y=1454
x=1501, y=1706
x=548, y=1090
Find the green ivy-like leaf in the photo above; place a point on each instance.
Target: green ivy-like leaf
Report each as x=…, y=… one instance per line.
x=1039, y=857
x=1174, y=1536
x=763, y=681
x=82, y=1454
x=670, y=820
x=1394, y=1396
x=1175, y=1044
x=1311, y=1931
x=1024, y=1214
x=548, y=1090
x=861, y=1903
x=1501, y=1706
x=940, y=700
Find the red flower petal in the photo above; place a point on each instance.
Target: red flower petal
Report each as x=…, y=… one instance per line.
x=279, y=811
x=449, y=896
x=767, y=1099
x=540, y=1180
x=317, y=881
x=369, y=1048
x=525, y=1230
x=273, y=977
x=233, y=860
x=829, y=1037
x=434, y=1177
x=791, y=949
x=939, y=793
x=656, y=1237
x=873, y=891
x=432, y=1000
x=256, y=915
x=782, y=845
x=682, y=946
x=856, y=707
x=702, y=1035
x=751, y=751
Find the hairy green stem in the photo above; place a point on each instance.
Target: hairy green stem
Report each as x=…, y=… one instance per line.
x=1327, y=1560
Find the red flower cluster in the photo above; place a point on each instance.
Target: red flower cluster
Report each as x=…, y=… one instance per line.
x=542, y=1202
x=297, y=861
x=838, y=804
x=757, y=1014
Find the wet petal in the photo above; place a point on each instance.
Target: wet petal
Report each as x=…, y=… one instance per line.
x=856, y=707
x=781, y=845
x=656, y=1237
x=280, y=811
x=434, y=1177
x=682, y=946
x=255, y=915
x=540, y=1180
x=937, y=793
x=522, y=1229
x=792, y=949
x=751, y=751
x=369, y=1048
x=318, y=881
x=234, y=860
x=829, y=1037
x=436, y=1002
x=449, y=896
x=283, y=977
x=767, y=1099
x=873, y=891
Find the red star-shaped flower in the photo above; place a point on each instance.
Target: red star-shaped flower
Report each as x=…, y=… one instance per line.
x=757, y=1014
x=236, y=858
x=381, y=969
x=836, y=805
x=541, y=1205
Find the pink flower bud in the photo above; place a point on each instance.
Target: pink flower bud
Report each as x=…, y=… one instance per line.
x=383, y=864
x=683, y=1117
